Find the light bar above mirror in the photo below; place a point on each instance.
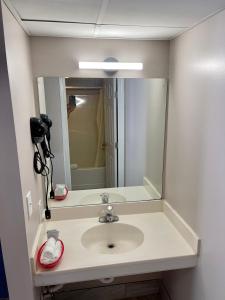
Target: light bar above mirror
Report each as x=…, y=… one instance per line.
x=110, y=66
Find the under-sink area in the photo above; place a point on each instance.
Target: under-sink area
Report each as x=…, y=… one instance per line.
x=150, y=239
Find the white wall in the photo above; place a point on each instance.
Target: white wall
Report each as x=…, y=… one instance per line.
x=135, y=130
x=145, y=108
x=16, y=157
x=195, y=168
x=21, y=88
x=60, y=56
x=156, y=89
x=55, y=101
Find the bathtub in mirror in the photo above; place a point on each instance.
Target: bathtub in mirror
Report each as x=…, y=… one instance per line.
x=107, y=137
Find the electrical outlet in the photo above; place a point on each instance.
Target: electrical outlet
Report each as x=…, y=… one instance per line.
x=29, y=204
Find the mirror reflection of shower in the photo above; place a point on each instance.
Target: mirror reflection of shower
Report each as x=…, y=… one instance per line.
x=85, y=113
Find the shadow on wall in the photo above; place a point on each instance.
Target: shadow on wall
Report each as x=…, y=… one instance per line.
x=3, y=284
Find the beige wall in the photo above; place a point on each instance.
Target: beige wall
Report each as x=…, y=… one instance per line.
x=195, y=168
x=16, y=175
x=60, y=56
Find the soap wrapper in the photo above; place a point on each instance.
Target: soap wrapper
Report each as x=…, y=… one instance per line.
x=53, y=233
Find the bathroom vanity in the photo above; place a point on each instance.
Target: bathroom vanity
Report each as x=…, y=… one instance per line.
x=149, y=237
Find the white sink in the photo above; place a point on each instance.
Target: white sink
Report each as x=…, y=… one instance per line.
x=95, y=198
x=112, y=238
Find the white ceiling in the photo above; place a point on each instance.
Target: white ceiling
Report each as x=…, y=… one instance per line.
x=133, y=19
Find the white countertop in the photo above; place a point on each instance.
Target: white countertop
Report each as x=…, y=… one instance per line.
x=74, y=198
x=164, y=248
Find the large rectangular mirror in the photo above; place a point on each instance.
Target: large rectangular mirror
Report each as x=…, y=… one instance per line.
x=107, y=137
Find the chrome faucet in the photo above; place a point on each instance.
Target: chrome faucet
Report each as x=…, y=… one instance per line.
x=105, y=198
x=109, y=216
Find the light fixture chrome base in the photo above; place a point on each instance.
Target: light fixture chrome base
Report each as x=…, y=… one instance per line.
x=111, y=72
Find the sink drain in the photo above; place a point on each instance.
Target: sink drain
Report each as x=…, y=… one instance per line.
x=111, y=246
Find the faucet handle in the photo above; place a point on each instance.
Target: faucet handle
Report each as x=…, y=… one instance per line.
x=104, y=194
x=108, y=216
x=105, y=197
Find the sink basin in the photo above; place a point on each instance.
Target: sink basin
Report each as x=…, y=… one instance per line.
x=112, y=238
x=95, y=198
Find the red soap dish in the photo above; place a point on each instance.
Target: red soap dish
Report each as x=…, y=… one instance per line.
x=51, y=265
x=62, y=197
